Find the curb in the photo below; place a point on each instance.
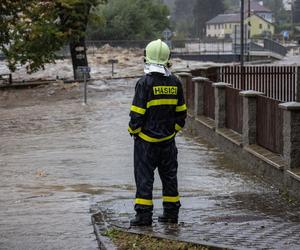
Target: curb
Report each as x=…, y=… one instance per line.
x=104, y=242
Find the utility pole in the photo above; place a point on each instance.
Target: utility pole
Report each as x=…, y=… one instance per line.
x=249, y=29
x=242, y=33
x=292, y=19
x=242, y=44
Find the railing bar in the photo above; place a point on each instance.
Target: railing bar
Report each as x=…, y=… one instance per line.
x=286, y=84
x=290, y=83
x=273, y=83
x=276, y=85
x=295, y=83
x=265, y=80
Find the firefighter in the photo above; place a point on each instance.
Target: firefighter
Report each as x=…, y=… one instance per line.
x=157, y=114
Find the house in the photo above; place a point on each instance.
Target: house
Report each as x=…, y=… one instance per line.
x=224, y=25
x=259, y=9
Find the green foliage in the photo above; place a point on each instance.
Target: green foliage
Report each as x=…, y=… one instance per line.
x=33, y=31
x=204, y=10
x=30, y=31
x=280, y=14
x=190, y=16
x=232, y=5
x=130, y=19
x=183, y=18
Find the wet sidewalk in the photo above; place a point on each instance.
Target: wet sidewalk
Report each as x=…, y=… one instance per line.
x=62, y=161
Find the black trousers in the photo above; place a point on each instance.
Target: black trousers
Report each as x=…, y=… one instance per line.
x=147, y=157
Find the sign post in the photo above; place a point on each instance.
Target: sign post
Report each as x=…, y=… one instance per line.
x=167, y=34
x=85, y=71
x=112, y=61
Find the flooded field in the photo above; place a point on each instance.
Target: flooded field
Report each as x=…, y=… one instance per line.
x=61, y=161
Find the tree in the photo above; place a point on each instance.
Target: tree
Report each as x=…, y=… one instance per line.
x=130, y=19
x=204, y=10
x=296, y=12
x=232, y=5
x=33, y=31
x=183, y=17
x=190, y=16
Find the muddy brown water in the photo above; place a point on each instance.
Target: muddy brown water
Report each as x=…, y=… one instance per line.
x=60, y=161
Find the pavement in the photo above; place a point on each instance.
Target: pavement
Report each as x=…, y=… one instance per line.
x=61, y=162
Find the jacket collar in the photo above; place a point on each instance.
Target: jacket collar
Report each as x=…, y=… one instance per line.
x=151, y=68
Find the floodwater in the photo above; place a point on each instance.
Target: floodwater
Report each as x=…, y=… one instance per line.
x=61, y=161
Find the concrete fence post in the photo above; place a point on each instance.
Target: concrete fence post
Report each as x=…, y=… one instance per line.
x=249, y=116
x=291, y=133
x=220, y=104
x=199, y=95
x=185, y=78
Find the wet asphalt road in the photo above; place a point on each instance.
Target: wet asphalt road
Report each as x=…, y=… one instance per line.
x=61, y=160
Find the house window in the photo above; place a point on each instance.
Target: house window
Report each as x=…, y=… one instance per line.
x=215, y=26
x=225, y=26
x=229, y=26
x=260, y=26
x=269, y=26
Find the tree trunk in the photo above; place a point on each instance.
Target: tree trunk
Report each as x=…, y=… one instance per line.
x=79, y=58
x=77, y=24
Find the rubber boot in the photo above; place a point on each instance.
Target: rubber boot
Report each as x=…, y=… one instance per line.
x=169, y=216
x=142, y=219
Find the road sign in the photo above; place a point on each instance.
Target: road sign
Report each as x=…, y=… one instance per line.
x=167, y=33
x=113, y=61
x=84, y=69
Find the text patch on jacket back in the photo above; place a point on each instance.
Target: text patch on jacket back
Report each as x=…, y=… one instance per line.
x=165, y=90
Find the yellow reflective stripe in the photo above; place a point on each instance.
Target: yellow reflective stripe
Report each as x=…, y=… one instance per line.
x=177, y=127
x=162, y=102
x=134, y=131
x=181, y=108
x=151, y=139
x=143, y=202
x=138, y=110
x=171, y=198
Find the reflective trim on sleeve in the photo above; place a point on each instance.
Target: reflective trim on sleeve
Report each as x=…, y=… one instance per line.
x=171, y=198
x=151, y=139
x=158, y=102
x=138, y=110
x=143, y=202
x=177, y=127
x=134, y=131
x=181, y=108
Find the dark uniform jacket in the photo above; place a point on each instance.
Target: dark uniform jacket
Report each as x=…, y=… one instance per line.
x=158, y=109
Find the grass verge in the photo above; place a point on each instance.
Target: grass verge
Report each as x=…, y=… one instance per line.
x=128, y=241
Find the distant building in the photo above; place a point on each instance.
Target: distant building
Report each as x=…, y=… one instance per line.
x=258, y=8
x=223, y=26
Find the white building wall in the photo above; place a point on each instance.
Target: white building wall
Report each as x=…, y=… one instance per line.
x=215, y=30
